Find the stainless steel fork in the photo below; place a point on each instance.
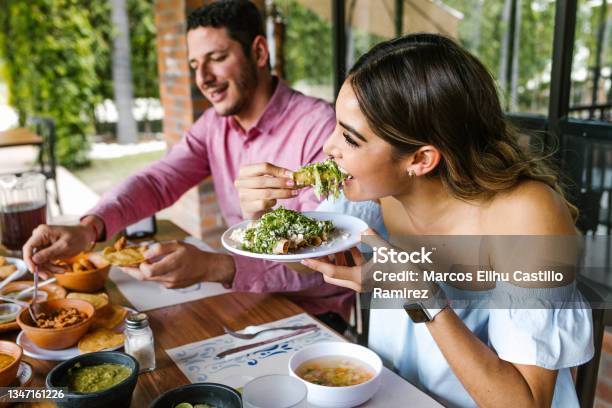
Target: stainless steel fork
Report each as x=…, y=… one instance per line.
x=32, y=305
x=248, y=336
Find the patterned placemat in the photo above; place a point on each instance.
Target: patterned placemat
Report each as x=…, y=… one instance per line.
x=197, y=361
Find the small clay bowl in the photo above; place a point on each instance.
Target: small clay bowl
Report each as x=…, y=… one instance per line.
x=90, y=281
x=56, y=339
x=9, y=373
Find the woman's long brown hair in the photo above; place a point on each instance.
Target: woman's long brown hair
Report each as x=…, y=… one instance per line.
x=425, y=89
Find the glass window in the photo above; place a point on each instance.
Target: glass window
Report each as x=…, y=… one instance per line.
x=591, y=91
x=367, y=24
x=514, y=39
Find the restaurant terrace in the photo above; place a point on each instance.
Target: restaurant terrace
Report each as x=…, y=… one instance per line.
x=140, y=139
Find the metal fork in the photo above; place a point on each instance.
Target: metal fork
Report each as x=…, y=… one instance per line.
x=249, y=336
x=32, y=305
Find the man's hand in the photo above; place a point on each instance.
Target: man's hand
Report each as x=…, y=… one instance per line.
x=49, y=243
x=178, y=264
x=260, y=185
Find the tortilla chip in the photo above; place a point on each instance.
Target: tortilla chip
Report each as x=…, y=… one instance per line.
x=77, y=264
x=125, y=257
x=100, y=339
x=2, y=261
x=120, y=244
x=6, y=270
x=109, y=317
x=98, y=300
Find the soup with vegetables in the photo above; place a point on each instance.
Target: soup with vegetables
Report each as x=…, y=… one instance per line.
x=335, y=371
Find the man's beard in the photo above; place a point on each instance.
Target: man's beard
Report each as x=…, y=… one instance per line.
x=245, y=84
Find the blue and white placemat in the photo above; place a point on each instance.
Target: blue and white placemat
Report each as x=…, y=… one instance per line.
x=197, y=361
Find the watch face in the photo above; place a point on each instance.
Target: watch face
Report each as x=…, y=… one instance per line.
x=416, y=313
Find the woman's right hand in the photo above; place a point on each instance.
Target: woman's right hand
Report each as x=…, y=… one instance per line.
x=260, y=185
x=51, y=242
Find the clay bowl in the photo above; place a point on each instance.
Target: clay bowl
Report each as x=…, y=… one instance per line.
x=56, y=339
x=9, y=373
x=90, y=281
x=52, y=291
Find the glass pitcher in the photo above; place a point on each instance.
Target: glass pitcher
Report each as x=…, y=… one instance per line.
x=23, y=206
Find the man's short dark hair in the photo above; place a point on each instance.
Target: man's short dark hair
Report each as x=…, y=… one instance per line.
x=240, y=18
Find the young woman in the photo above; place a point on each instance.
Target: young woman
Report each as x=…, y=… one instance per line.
x=419, y=120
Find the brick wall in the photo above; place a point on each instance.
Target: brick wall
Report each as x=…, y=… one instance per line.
x=197, y=211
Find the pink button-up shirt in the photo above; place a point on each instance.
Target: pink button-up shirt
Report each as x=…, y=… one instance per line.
x=290, y=133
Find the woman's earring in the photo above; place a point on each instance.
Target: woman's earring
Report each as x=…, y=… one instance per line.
x=411, y=173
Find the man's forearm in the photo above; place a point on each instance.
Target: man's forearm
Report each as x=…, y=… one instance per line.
x=95, y=225
x=223, y=269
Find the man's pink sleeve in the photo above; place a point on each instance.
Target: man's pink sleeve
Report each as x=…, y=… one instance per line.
x=264, y=276
x=156, y=187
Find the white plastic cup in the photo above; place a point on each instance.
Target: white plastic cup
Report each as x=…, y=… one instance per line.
x=274, y=391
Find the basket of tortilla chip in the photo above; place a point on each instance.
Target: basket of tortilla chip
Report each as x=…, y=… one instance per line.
x=122, y=255
x=85, y=272
x=60, y=323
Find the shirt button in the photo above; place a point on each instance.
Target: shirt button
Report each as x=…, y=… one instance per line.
x=254, y=132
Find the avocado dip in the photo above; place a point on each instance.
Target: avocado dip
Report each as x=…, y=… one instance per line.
x=96, y=378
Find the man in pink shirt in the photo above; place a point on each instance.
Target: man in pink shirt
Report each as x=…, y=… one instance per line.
x=255, y=119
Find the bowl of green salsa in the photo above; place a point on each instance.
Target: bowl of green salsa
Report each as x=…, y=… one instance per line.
x=101, y=379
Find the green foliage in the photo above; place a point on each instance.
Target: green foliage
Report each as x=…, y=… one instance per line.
x=482, y=30
x=308, y=45
x=142, y=44
x=57, y=63
x=144, y=52
x=50, y=68
x=585, y=50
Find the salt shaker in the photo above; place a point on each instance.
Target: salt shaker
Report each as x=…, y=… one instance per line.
x=139, y=341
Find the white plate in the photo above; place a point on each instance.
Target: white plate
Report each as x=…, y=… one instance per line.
x=347, y=234
x=32, y=350
x=21, y=266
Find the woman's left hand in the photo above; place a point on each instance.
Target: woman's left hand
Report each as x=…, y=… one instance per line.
x=339, y=272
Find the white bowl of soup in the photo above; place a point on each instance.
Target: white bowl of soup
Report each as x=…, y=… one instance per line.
x=337, y=374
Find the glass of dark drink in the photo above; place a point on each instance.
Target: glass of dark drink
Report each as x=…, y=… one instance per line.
x=23, y=206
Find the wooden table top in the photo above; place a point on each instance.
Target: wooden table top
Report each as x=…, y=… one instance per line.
x=182, y=324
x=19, y=137
x=178, y=325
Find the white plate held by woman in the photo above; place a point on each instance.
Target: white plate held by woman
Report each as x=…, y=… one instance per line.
x=347, y=234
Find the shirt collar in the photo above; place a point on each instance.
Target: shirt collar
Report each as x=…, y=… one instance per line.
x=272, y=114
